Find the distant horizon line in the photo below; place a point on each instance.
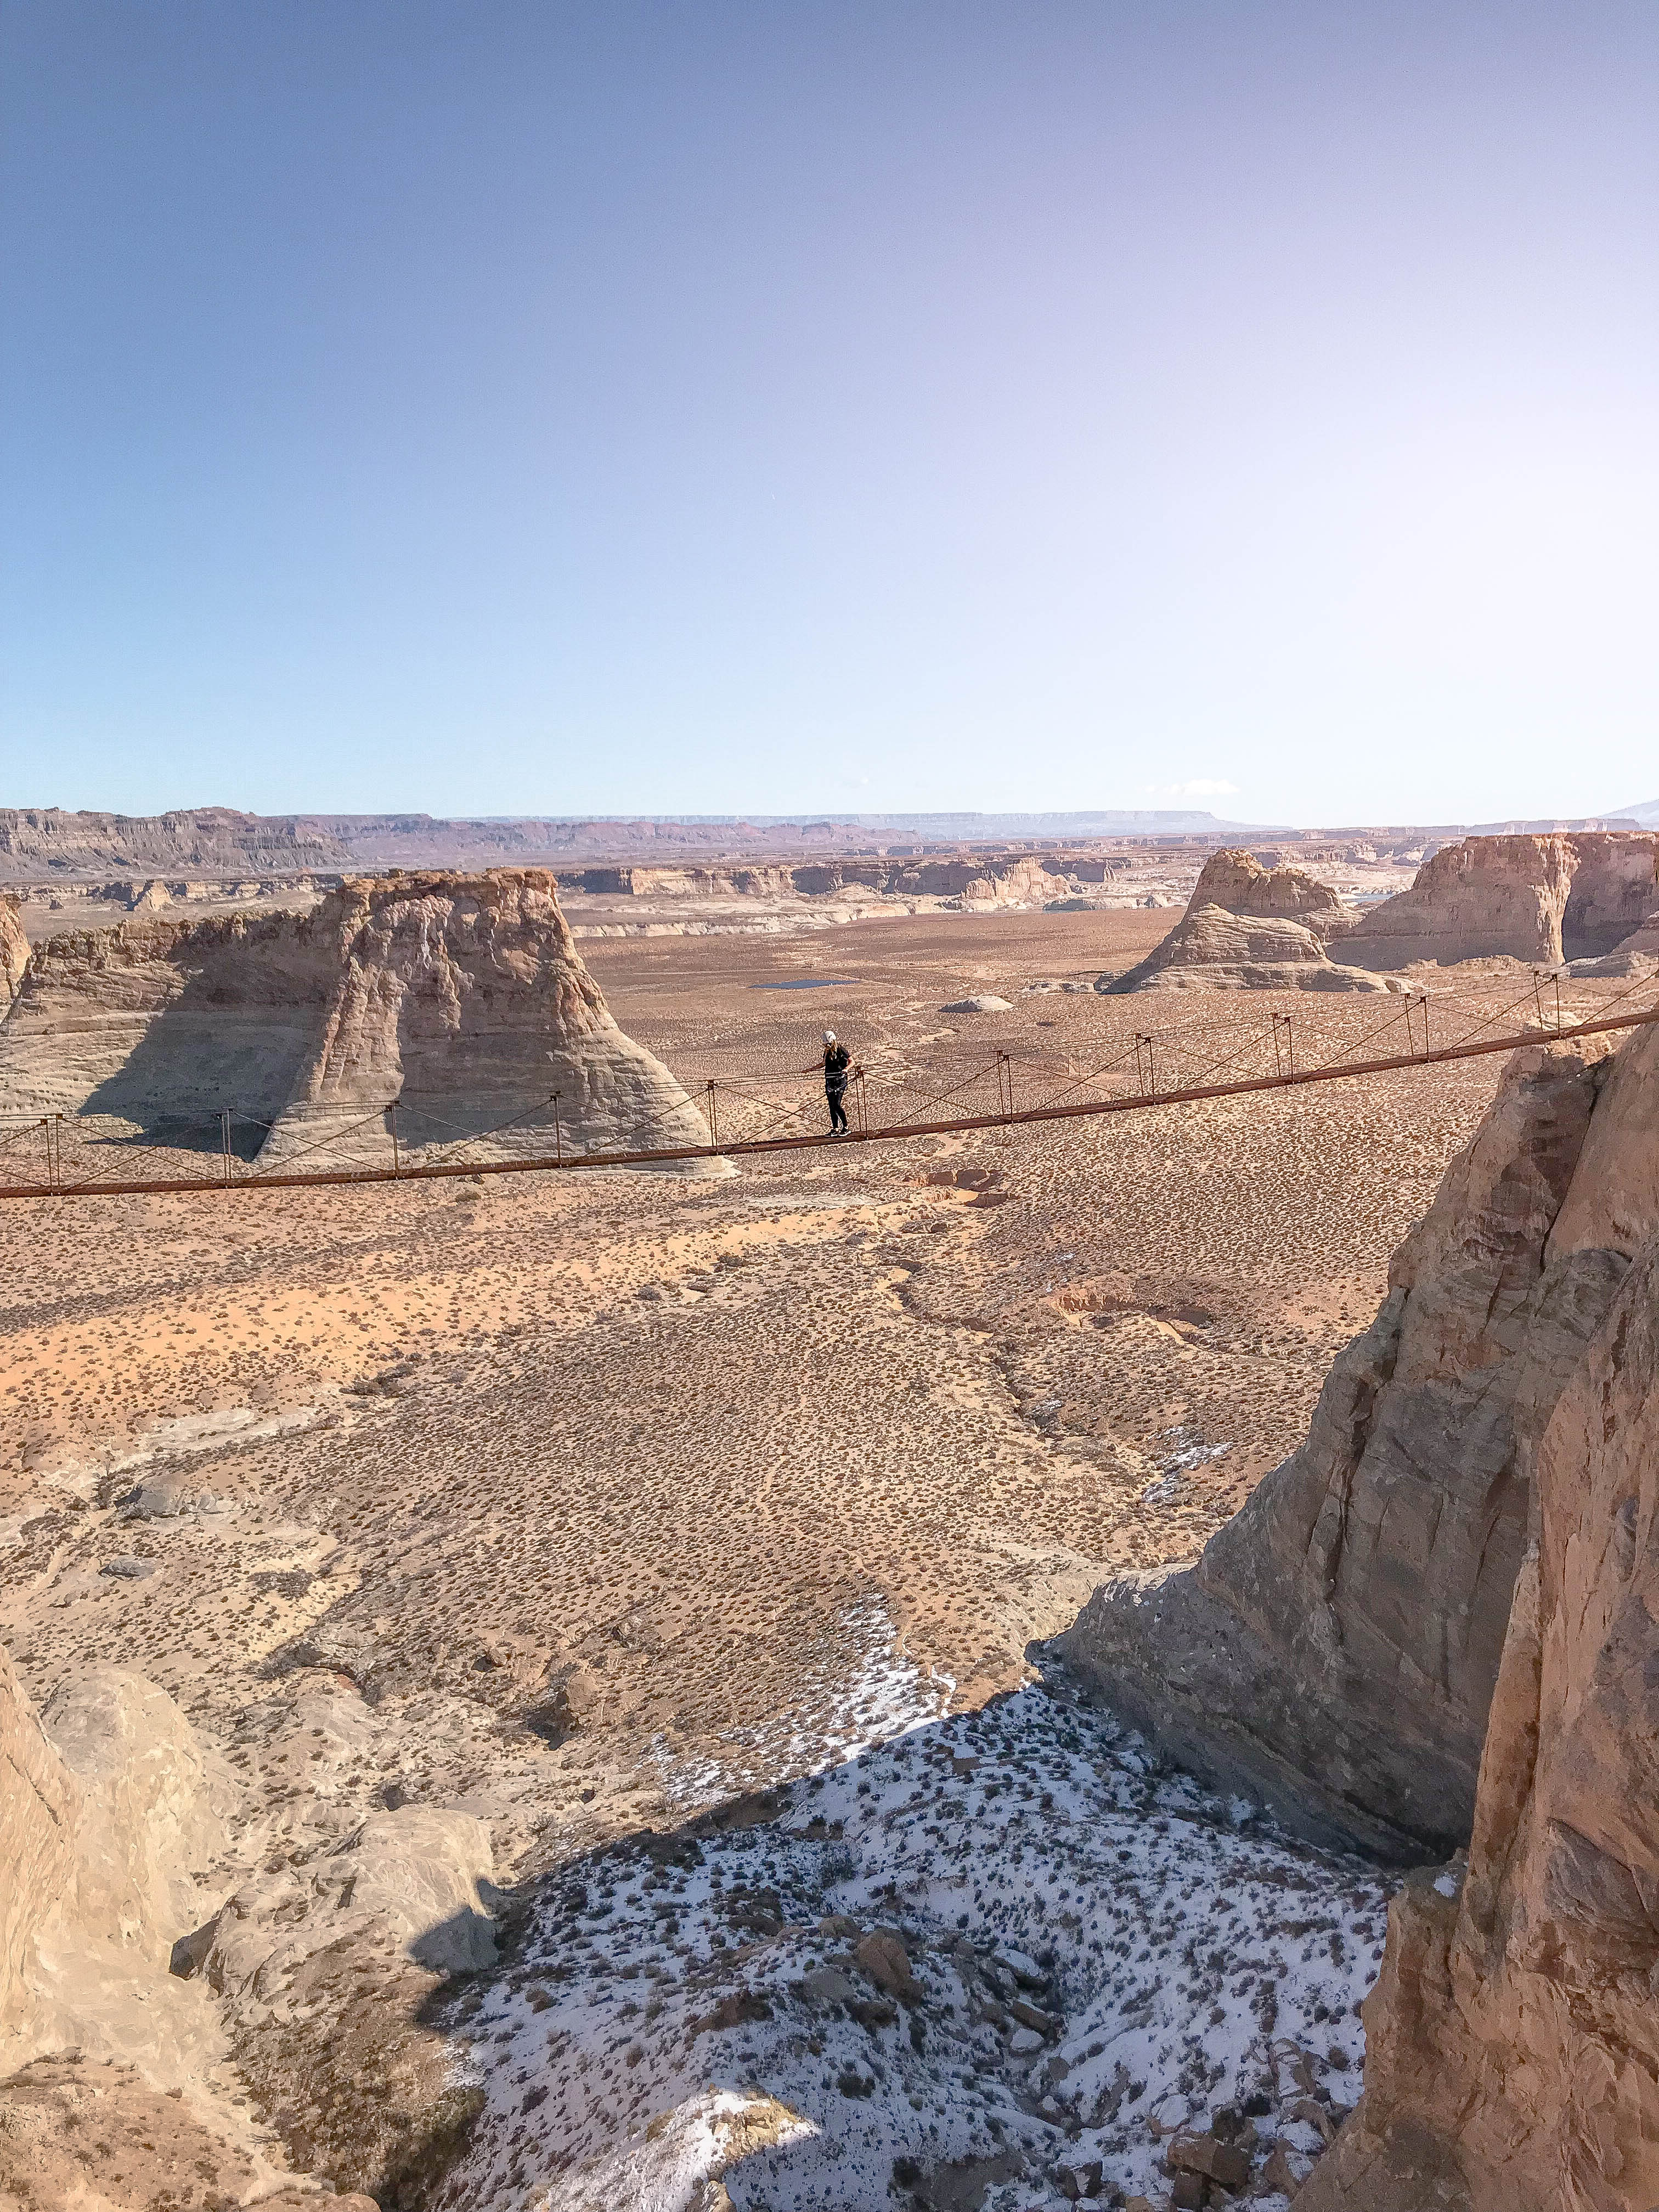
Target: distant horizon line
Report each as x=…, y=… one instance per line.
x=1168, y=821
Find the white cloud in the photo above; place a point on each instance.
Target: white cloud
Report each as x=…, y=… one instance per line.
x=1200, y=786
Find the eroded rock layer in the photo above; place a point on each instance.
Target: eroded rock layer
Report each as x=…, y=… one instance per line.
x=1336, y=1645
x=14, y=952
x=1514, y=2036
x=461, y=1000
x=1544, y=899
x=39, y=841
x=1248, y=927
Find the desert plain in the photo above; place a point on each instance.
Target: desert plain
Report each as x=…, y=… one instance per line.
x=582, y=1506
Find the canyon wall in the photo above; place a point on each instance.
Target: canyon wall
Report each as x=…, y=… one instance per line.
x=1513, y=2038
x=1335, y=1645
x=1437, y=1624
x=988, y=879
x=1541, y=899
x=1250, y=927
x=13, y=953
x=462, y=999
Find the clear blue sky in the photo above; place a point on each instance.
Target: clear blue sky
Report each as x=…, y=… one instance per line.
x=500, y=408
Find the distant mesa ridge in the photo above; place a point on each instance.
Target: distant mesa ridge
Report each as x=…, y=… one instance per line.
x=52, y=844
x=41, y=843
x=462, y=998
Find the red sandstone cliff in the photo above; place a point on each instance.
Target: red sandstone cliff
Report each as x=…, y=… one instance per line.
x=1335, y=1645
x=1514, y=2036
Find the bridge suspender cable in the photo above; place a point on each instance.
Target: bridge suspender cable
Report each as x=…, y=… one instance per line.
x=1148, y=1099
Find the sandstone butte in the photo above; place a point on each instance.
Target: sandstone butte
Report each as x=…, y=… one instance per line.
x=462, y=999
x=1249, y=927
x=1437, y=1624
x=1543, y=899
x=1590, y=899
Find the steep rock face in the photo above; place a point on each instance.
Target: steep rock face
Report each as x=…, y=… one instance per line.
x=1336, y=1645
x=461, y=999
x=1514, y=2036
x=13, y=953
x=1635, y=955
x=1247, y=928
x=1544, y=899
x=39, y=1813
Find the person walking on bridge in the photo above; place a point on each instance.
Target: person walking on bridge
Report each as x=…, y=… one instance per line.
x=837, y=1066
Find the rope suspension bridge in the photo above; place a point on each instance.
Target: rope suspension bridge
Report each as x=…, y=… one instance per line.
x=1147, y=1070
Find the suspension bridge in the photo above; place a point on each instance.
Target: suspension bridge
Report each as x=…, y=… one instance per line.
x=1150, y=1070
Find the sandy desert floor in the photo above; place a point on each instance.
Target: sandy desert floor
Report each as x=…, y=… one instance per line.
x=585, y=1504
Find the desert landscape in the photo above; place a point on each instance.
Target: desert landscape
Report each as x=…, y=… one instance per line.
x=913, y=1673
x=828, y=1109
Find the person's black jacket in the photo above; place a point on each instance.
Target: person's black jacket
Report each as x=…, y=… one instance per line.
x=836, y=1061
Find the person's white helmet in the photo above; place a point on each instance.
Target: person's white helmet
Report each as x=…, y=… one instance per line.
x=829, y=1036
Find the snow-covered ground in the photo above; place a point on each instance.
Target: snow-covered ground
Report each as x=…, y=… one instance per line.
x=998, y=1960
x=865, y=1689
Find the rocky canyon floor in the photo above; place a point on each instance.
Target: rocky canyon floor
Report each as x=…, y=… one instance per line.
x=690, y=1537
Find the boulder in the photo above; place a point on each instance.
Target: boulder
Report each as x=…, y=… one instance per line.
x=883, y=1956
x=985, y=1003
x=39, y=1814
x=412, y=1880
x=146, y=1820
x=461, y=999
x=1335, y=1646
x=1247, y=928
x=1541, y=899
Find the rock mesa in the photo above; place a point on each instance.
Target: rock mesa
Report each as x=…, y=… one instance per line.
x=461, y=999
x=1542, y=899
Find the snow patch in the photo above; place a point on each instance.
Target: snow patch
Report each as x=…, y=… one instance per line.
x=1097, y=1948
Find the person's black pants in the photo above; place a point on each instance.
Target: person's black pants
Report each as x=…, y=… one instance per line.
x=836, y=1095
